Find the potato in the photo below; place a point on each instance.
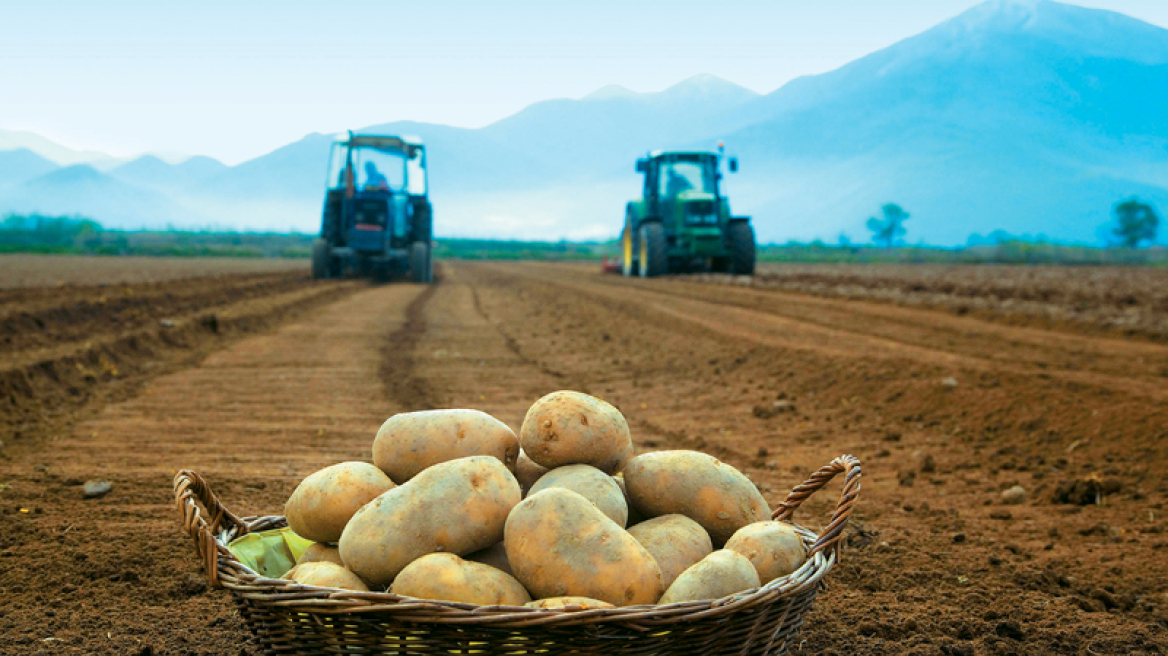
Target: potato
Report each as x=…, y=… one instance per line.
x=322, y=504
x=446, y=577
x=410, y=442
x=571, y=428
x=495, y=556
x=710, y=492
x=634, y=516
x=326, y=575
x=718, y=575
x=560, y=544
x=527, y=472
x=457, y=507
x=584, y=603
x=774, y=548
x=676, y=543
x=320, y=553
x=590, y=483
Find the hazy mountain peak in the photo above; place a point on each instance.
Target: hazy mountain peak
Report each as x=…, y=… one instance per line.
x=611, y=91
x=1092, y=32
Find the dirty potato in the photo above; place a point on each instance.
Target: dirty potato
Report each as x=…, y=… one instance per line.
x=590, y=483
x=320, y=552
x=699, y=486
x=634, y=516
x=560, y=544
x=409, y=442
x=322, y=504
x=456, y=507
x=527, y=471
x=571, y=428
x=583, y=603
x=718, y=575
x=326, y=575
x=675, y=541
x=495, y=556
x=446, y=577
x=774, y=548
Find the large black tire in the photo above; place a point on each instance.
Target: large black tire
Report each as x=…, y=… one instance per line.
x=321, y=268
x=741, y=238
x=628, y=250
x=654, y=259
x=421, y=267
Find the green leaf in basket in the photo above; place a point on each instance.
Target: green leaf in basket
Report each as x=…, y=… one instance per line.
x=269, y=553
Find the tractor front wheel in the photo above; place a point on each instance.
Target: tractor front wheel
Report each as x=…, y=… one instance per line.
x=321, y=268
x=421, y=268
x=741, y=237
x=654, y=260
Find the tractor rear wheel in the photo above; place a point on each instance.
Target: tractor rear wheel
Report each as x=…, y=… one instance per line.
x=421, y=268
x=628, y=259
x=320, y=260
x=741, y=237
x=654, y=260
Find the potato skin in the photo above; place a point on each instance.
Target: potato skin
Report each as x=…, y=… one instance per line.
x=456, y=507
x=324, y=502
x=590, y=483
x=495, y=556
x=446, y=577
x=572, y=428
x=699, y=486
x=321, y=553
x=634, y=516
x=774, y=548
x=527, y=471
x=718, y=575
x=563, y=602
x=409, y=442
x=560, y=544
x=326, y=575
x=676, y=543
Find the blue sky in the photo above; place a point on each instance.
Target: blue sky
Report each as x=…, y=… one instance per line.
x=234, y=80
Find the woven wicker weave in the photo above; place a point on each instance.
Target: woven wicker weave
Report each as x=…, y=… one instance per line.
x=289, y=618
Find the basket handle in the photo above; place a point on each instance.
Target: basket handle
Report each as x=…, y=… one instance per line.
x=833, y=532
x=191, y=491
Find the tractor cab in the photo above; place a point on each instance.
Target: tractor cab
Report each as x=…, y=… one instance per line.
x=684, y=186
x=376, y=210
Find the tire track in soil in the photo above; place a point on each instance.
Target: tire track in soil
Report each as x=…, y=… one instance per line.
x=115, y=575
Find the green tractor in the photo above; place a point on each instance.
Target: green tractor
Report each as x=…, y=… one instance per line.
x=682, y=222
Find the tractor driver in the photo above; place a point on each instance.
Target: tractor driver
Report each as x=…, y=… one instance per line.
x=373, y=178
x=676, y=183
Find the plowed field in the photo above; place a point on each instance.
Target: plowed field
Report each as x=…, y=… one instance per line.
x=946, y=412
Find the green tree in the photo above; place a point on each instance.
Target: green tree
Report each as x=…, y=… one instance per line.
x=891, y=228
x=1137, y=222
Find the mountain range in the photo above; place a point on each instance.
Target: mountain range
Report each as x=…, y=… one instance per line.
x=1024, y=115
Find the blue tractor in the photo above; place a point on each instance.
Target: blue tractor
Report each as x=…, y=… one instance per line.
x=377, y=219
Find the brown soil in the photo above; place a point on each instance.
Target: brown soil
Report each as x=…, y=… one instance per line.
x=1128, y=301
x=946, y=412
x=22, y=270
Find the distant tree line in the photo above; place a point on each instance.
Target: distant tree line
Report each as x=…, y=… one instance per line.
x=1135, y=222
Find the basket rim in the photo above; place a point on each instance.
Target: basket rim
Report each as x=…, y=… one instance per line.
x=242, y=580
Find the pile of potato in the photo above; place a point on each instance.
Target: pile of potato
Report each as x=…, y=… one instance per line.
x=442, y=515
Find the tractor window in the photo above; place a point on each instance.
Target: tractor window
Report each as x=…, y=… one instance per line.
x=685, y=175
x=336, y=178
x=379, y=169
x=416, y=172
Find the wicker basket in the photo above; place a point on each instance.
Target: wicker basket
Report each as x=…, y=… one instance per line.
x=289, y=618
